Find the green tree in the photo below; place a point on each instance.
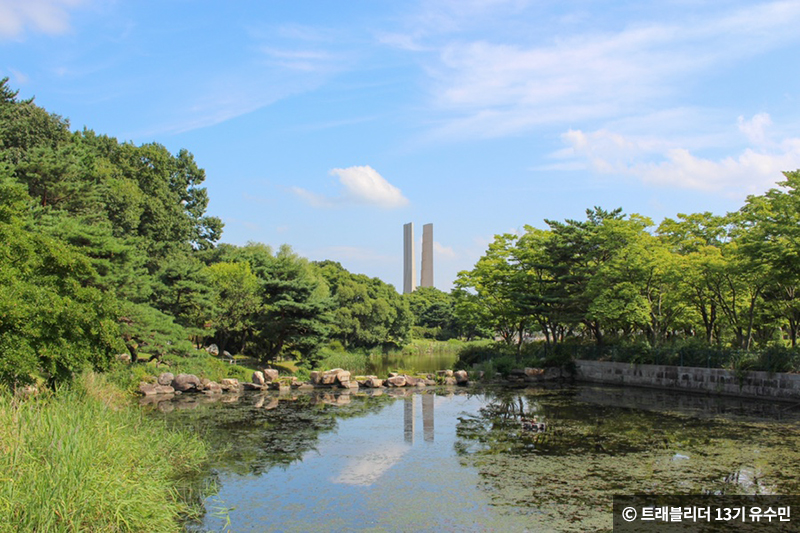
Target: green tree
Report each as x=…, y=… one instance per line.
x=237, y=303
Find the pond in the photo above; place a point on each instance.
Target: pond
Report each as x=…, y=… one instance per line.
x=461, y=459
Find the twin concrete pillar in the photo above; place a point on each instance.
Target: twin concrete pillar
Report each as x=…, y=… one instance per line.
x=409, y=265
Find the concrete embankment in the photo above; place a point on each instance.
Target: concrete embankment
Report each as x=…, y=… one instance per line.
x=753, y=384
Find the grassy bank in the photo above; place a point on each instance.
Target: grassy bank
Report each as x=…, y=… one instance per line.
x=83, y=459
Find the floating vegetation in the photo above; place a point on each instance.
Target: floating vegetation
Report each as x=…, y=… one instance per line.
x=568, y=474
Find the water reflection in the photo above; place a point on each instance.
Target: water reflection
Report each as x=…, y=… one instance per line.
x=408, y=419
x=427, y=416
x=489, y=459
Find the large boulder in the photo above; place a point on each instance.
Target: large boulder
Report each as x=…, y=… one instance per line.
x=186, y=383
x=270, y=374
x=314, y=377
x=212, y=387
x=258, y=378
x=396, y=381
x=373, y=382
x=229, y=384
x=166, y=378
x=461, y=377
x=329, y=377
x=148, y=389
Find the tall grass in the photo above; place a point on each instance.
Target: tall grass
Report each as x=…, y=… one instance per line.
x=83, y=459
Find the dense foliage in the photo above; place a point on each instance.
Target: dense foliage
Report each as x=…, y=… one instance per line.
x=106, y=248
x=731, y=283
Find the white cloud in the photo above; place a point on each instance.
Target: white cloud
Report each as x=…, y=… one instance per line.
x=755, y=129
x=490, y=88
x=441, y=251
x=663, y=162
x=361, y=185
x=46, y=16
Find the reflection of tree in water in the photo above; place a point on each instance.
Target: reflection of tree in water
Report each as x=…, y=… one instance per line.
x=589, y=452
x=255, y=433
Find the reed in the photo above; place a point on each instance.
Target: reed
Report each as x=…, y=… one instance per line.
x=84, y=459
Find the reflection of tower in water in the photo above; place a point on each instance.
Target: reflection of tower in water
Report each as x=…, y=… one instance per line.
x=409, y=417
x=427, y=416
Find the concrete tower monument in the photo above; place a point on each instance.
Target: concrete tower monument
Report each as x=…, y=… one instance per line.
x=427, y=256
x=409, y=272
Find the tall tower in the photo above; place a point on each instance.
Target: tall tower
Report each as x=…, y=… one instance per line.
x=427, y=256
x=409, y=272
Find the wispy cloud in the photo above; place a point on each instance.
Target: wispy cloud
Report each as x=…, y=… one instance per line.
x=360, y=185
x=441, y=251
x=46, y=16
x=487, y=87
x=280, y=62
x=664, y=162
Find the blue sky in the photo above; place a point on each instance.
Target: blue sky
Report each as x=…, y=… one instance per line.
x=328, y=125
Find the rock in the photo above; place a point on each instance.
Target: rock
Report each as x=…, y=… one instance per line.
x=270, y=374
x=213, y=387
x=252, y=386
x=227, y=355
x=461, y=377
x=351, y=385
x=445, y=373
x=449, y=380
x=186, y=382
x=411, y=381
x=258, y=378
x=148, y=389
x=393, y=374
x=305, y=386
x=430, y=382
x=396, y=381
x=533, y=372
x=314, y=377
x=213, y=349
x=373, y=382
x=229, y=384
x=166, y=378
x=329, y=377
x=343, y=376
x=152, y=389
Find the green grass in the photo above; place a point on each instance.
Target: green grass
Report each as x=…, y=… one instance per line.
x=84, y=459
x=128, y=376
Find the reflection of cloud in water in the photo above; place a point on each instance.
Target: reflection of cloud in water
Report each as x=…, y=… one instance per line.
x=367, y=468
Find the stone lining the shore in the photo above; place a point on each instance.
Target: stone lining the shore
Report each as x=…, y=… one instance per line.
x=269, y=379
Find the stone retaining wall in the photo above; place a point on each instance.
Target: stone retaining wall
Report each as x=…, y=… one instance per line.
x=707, y=380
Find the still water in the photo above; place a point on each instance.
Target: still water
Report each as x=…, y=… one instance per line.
x=463, y=460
